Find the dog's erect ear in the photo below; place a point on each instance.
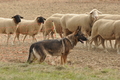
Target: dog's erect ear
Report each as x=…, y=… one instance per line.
x=77, y=30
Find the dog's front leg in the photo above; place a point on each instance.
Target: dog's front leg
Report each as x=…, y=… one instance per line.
x=65, y=59
x=62, y=60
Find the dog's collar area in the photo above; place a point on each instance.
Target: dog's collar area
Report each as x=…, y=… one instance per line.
x=70, y=42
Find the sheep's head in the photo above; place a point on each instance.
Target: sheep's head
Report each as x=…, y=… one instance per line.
x=79, y=35
x=94, y=14
x=40, y=19
x=17, y=18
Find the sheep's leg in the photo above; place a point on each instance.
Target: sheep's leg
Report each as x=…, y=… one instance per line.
x=14, y=40
x=106, y=43
x=96, y=42
x=118, y=45
x=118, y=48
x=51, y=33
x=64, y=34
x=24, y=38
x=103, y=44
x=90, y=44
x=45, y=35
x=17, y=35
x=60, y=35
x=34, y=38
x=115, y=44
x=8, y=38
x=48, y=36
x=111, y=44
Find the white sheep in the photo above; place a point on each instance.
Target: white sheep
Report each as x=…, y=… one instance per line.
x=29, y=27
x=111, y=17
x=107, y=30
x=57, y=15
x=85, y=21
x=8, y=26
x=51, y=24
x=56, y=24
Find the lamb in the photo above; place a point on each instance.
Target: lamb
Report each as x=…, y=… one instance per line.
x=51, y=24
x=107, y=30
x=85, y=21
x=29, y=27
x=8, y=26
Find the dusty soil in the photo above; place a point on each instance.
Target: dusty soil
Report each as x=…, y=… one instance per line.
x=79, y=56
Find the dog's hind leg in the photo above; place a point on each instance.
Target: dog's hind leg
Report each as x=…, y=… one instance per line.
x=31, y=58
x=39, y=54
x=42, y=58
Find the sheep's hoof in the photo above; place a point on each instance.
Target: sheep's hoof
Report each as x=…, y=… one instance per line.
x=13, y=44
x=118, y=52
x=106, y=51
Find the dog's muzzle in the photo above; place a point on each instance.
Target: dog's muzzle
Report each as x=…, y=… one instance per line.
x=82, y=40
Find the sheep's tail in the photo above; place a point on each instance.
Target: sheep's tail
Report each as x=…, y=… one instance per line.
x=30, y=54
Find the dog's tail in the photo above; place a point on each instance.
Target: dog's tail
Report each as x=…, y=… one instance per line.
x=30, y=54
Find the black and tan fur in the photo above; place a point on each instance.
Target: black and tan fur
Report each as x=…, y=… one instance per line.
x=56, y=47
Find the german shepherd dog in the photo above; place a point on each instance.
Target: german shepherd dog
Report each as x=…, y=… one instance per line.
x=55, y=47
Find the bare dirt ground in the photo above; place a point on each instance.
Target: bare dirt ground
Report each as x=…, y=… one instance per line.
x=79, y=56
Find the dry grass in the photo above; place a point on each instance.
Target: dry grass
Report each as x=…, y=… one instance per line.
x=32, y=8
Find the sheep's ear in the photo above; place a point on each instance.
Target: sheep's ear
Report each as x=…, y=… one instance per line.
x=21, y=17
x=87, y=13
x=44, y=18
x=99, y=12
x=37, y=18
x=13, y=17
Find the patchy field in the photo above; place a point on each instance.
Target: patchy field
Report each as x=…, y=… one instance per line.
x=79, y=57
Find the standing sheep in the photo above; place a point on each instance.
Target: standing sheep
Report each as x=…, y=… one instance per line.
x=85, y=21
x=8, y=26
x=50, y=24
x=111, y=17
x=57, y=15
x=29, y=27
x=107, y=30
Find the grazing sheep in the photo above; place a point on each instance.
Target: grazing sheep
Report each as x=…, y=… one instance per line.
x=85, y=21
x=29, y=27
x=107, y=30
x=50, y=24
x=8, y=26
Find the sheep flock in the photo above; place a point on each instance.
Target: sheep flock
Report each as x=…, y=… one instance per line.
x=95, y=25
